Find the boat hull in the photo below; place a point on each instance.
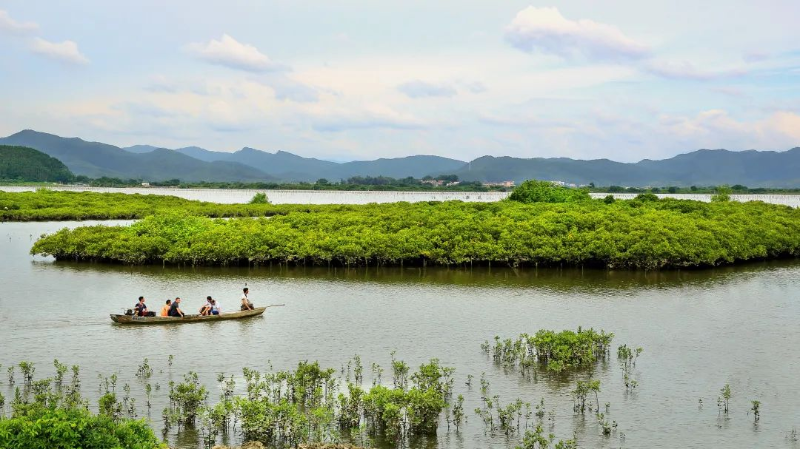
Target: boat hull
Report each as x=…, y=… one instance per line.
x=153, y=320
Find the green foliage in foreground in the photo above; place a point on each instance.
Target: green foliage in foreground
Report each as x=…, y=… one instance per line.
x=56, y=428
x=533, y=191
x=632, y=234
x=29, y=165
x=47, y=205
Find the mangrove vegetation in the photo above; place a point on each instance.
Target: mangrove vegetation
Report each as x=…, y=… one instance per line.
x=645, y=233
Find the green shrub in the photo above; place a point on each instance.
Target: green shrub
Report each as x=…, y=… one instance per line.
x=625, y=234
x=723, y=194
x=50, y=428
x=259, y=198
x=534, y=191
x=647, y=197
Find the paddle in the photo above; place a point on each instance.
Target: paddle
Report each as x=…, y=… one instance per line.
x=275, y=305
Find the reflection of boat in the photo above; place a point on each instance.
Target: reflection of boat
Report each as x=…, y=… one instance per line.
x=132, y=319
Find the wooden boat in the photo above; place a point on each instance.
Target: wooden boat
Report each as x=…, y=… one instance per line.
x=131, y=319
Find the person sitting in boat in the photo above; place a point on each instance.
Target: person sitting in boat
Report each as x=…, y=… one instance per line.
x=246, y=303
x=165, y=309
x=140, y=309
x=206, y=309
x=215, y=310
x=175, y=309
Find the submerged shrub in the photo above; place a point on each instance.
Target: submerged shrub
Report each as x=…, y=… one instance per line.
x=556, y=351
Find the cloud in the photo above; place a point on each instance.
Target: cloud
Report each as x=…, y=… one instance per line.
x=233, y=54
x=476, y=87
x=369, y=118
x=144, y=108
x=66, y=51
x=687, y=71
x=9, y=25
x=756, y=56
x=717, y=128
x=421, y=89
x=545, y=30
x=286, y=88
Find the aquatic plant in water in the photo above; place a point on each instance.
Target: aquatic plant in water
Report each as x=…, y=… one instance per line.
x=556, y=351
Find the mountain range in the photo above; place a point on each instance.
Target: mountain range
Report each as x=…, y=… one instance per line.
x=702, y=167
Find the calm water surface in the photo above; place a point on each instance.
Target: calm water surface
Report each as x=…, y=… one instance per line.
x=699, y=330
x=238, y=196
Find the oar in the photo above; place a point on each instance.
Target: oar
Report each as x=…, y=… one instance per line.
x=276, y=305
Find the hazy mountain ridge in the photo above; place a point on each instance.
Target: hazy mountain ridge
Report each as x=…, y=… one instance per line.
x=27, y=164
x=95, y=159
x=702, y=167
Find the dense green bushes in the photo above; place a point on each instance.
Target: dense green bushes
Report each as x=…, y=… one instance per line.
x=634, y=234
x=533, y=191
x=46, y=205
x=68, y=428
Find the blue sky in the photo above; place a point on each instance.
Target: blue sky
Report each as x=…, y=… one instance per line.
x=345, y=80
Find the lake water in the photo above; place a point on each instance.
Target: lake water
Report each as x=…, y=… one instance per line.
x=699, y=330
x=230, y=196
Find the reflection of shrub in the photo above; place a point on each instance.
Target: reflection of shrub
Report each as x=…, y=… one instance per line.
x=533, y=191
x=260, y=198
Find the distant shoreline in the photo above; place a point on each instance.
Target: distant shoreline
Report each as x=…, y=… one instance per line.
x=241, y=196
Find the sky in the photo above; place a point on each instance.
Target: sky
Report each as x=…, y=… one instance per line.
x=353, y=80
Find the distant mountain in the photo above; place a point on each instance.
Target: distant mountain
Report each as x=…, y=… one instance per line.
x=283, y=165
x=203, y=154
x=415, y=166
x=139, y=149
x=291, y=167
x=96, y=159
x=702, y=167
x=27, y=164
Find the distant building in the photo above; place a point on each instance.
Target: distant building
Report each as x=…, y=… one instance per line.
x=433, y=182
x=499, y=184
x=145, y=184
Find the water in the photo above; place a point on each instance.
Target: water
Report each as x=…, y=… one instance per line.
x=229, y=196
x=699, y=330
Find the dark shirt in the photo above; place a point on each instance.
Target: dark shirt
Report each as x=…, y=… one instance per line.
x=173, y=309
x=140, y=308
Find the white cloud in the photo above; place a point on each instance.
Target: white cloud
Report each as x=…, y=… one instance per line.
x=9, y=25
x=476, y=87
x=231, y=53
x=422, y=89
x=546, y=30
x=370, y=117
x=66, y=51
x=716, y=128
x=687, y=71
x=286, y=88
